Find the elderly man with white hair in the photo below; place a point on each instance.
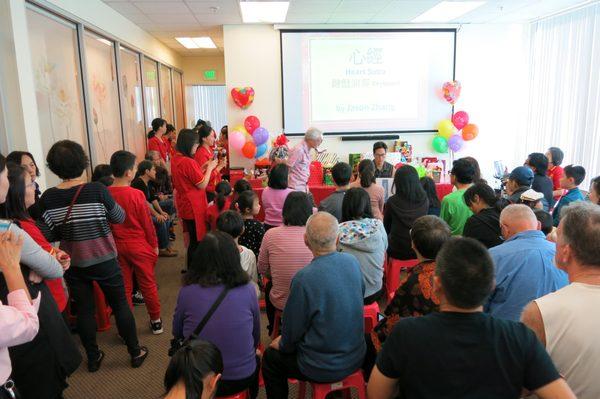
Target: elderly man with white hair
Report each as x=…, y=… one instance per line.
x=322, y=337
x=567, y=321
x=299, y=159
x=524, y=264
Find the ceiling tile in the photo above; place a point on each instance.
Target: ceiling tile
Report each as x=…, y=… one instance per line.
x=125, y=8
x=171, y=19
x=162, y=7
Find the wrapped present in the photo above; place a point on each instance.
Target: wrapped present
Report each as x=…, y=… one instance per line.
x=405, y=149
x=327, y=159
x=279, y=148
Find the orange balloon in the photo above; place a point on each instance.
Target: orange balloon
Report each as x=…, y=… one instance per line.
x=249, y=150
x=470, y=131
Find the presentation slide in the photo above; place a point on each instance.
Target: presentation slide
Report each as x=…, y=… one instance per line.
x=365, y=81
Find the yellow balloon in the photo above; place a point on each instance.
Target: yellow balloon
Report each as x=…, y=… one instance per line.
x=446, y=128
x=241, y=129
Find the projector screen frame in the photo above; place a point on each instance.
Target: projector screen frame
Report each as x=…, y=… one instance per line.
x=454, y=31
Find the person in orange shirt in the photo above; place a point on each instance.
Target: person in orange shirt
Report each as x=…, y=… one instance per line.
x=206, y=153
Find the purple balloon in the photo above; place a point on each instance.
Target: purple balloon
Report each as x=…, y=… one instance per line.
x=455, y=143
x=260, y=136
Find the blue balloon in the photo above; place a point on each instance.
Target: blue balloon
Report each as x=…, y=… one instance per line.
x=261, y=150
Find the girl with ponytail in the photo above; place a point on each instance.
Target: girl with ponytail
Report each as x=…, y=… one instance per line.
x=155, y=140
x=366, y=180
x=221, y=203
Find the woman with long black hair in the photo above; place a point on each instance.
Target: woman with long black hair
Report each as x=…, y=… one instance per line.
x=366, y=180
x=207, y=139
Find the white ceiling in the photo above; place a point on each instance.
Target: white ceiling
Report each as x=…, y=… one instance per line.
x=167, y=19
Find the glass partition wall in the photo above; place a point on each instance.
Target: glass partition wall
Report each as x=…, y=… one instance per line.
x=96, y=90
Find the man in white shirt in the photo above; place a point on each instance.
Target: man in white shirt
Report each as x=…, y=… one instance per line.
x=567, y=321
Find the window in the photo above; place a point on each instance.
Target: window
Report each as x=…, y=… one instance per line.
x=178, y=94
x=208, y=103
x=151, y=91
x=104, y=97
x=166, y=94
x=131, y=103
x=55, y=63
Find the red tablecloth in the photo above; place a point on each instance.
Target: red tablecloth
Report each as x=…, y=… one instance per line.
x=321, y=192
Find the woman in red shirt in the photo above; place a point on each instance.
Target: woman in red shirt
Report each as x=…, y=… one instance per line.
x=205, y=153
x=190, y=180
x=155, y=137
x=555, y=172
x=169, y=139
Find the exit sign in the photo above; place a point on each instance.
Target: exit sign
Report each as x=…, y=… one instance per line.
x=210, y=75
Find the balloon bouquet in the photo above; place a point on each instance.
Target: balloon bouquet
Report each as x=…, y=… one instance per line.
x=452, y=133
x=251, y=138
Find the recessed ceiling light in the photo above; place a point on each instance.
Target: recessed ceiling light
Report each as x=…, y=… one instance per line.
x=264, y=11
x=196, y=42
x=446, y=11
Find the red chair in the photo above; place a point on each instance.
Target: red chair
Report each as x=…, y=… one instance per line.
x=392, y=279
x=320, y=391
x=370, y=316
x=241, y=395
x=276, y=325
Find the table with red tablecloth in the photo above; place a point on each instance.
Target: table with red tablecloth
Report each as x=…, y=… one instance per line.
x=321, y=192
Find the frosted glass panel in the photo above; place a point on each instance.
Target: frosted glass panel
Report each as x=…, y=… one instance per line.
x=151, y=91
x=104, y=97
x=133, y=110
x=178, y=94
x=165, y=94
x=55, y=63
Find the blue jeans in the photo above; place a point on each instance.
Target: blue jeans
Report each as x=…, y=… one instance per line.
x=162, y=232
x=167, y=206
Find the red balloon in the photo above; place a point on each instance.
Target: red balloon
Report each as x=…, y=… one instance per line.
x=470, y=131
x=460, y=119
x=251, y=123
x=249, y=149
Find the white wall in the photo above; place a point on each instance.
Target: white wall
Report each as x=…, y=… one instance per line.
x=491, y=65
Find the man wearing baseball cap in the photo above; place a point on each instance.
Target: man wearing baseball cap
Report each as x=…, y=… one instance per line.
x=519, y=181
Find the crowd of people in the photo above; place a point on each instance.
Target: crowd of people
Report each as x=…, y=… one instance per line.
x=501, y=301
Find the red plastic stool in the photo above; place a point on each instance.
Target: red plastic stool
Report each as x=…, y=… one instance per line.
x=370, y=316
x=392, y=278
x=320, y=391
x=276, y=325
x=241, y=395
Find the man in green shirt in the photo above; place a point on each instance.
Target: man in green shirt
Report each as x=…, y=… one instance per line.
x=454, y=210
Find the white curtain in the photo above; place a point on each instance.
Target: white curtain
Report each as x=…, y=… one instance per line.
x=564, y=98
x=208, y=103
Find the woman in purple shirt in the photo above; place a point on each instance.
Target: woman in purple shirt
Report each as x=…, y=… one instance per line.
x=235, y=325
x=274, y=196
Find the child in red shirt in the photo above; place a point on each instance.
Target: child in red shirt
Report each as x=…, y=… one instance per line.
x=221, y=204
x=136, y=241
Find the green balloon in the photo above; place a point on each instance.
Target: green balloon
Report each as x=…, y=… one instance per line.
x=440, y=144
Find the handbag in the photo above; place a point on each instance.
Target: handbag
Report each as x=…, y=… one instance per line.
x=68, y=214
x=178, y=343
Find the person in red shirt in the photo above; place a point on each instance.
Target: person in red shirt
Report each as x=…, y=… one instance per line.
x=205, y=153
x=136, y=241
x=555, y=172
x=223, y=147
x=221, y=204
x=190, y=181
x=170, y=138
x=155, y=138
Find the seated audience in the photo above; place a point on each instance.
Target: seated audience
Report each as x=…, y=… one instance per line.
x=91, y=246
x=382, y=168
x=249, y=206
x=194, y=372
x=26, y=160
x=572, y=177
x=341, y=174
x=146, y=172
x=454, y=210
x=541, y=183
x=239, y=187
x=546, y=222
x=364, y=237
x=434, y=201
x=472, y=354
x=533, y=199
x=154, y=157
x=594, y=194
x=408, y=203
x=567, y=321
x=215, y=274
x=519, y=181
x=19, y=321
x=231, y=222
x=477, y=175
x=221, y=203
x=415, y=295
x=524, y=263
x=555, y=172
x=366, y=180
x=283, y=252
x=135, y=238
x=322, y=335
x=274, y=195
x=103, y=174
x=484, y=225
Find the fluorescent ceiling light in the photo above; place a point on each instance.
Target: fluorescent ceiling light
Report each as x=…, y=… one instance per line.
x=264, y=11
x=446, y=11
x=196, y=42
